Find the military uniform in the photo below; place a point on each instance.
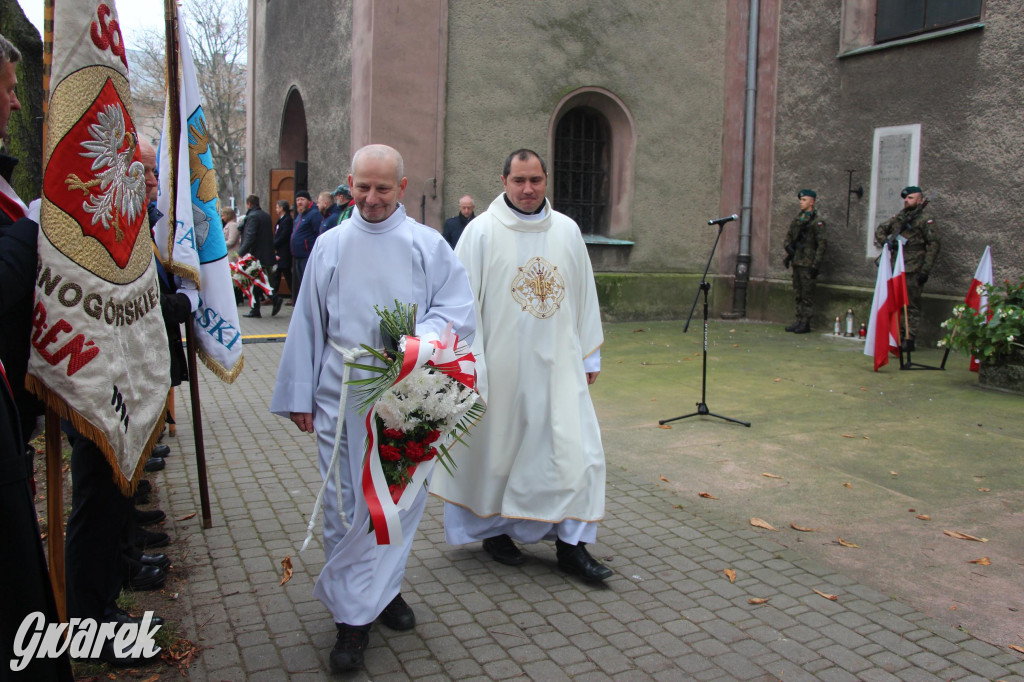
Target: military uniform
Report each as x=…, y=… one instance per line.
x=920, y=250
x=805, y=249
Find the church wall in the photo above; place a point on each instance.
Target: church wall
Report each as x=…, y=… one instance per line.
x=305, y=45
x=964, y=90
x=509, y=65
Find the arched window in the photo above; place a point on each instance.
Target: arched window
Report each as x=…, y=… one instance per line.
x=581, y=169
x=294, y=138
x=592, y=139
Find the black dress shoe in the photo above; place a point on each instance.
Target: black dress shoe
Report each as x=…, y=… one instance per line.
x=154, y=464
x=277, y=301
x=144, y=487
x=110, y=657
x=398, y=615
x=252, y=313
x=116, y=615
x=349, y=648
x=149, y=539
x=161, y=561
x=148, y=518
x=576, y=559
x=161, y=450
x=503, y=550
x=146, y=578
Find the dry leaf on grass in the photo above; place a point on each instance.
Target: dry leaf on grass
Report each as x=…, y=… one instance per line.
x=186, y=517
x=663, y=478
x=767, y=475
x=846, y=435
x=638, y=331
x=707, y=496
x=757, y=600
x=983, y=561
x=777, y=379
x=894, y=473
x=801, y=528
x=664, y=426
x=286, y=564
x=730, y=574
x=963, y=536
x=984, y=490
x=830, y=597
x=847, y=485
x=152, y=678
x=844, y=543
x=761, y=523
x=1017, y=648
x=923, y=517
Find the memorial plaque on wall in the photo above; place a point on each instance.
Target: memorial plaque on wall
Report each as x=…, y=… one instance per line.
x=895, y=157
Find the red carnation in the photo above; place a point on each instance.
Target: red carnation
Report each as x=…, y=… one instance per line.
x=390, y=453
x=394, y=434
x=416, y=451
x=432, y=436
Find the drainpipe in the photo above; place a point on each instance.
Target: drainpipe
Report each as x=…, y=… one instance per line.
x=739, y=293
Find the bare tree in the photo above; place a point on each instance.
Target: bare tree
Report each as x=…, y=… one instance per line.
x=217, y=35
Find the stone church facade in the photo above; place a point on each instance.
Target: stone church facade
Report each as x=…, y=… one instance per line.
x=639, y=109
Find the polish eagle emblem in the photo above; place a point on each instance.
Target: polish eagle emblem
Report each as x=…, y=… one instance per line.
x=121, y=179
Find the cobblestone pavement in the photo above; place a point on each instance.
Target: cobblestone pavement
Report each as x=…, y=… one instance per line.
x=668, y=613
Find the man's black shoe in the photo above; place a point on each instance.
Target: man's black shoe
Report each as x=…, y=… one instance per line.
x=160, y=450
x=804, y=328
x=793, y=327
x=154, y=464
x=277, y=301
x=108, y=656
x=146, y=578
x=576, y=559
x=144, y=487
x=116, y=615
x=148, y=518
x=161, y=561
x=350, y=646
x=398, y=615
x=252, y=313
x=148, y=539
x=503, y=550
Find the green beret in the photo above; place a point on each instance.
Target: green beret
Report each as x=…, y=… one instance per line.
x=913, y=189
x=807, y=193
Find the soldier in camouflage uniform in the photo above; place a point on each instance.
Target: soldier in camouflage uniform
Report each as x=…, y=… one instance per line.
x=805, y=249
x=916, y=229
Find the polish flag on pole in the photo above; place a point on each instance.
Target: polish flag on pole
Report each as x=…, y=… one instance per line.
x=977, y=297
x=890, y=297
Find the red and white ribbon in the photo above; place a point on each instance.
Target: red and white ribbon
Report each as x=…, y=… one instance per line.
x=446, y=356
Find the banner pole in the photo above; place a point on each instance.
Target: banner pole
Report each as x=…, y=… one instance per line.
x=174, y=132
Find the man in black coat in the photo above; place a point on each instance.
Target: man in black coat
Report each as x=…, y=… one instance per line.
x=453, y=227
x=258, y=240
x=283, y=247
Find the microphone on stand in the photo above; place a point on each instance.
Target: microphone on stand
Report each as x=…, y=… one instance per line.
x=724, y=220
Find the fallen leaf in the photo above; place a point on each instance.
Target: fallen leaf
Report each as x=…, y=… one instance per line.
x=152, y=678
x=894, y=473
x=801, y=528
x=777, y=379
x=771, y=476
x=830, y=597
x=847, y=485
x=708, y=496
x=1017, y=648
x=757, y=600
x=983, y=561
x=186, y=517
x=730, y=574
x=963, y=536
x=846, y=435
x=735, y=345
x=844, y=543
x=286, y=564
x=638, y=331
x=732, y=331
x=911, y=510
x=984, y=490
x=923, y=517
x=664, y=426
x=761, y=523
x=663, y=478
x=866, y=437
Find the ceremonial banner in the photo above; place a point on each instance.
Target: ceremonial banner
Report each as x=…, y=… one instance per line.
x=190, y=235
x=889, y=299
x=977, y=297
x=99, y=352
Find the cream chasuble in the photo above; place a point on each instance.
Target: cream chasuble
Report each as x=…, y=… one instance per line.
x=537, y=453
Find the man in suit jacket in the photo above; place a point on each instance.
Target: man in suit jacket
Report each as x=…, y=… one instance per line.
x=453, y=227
x=283, y=247
x=258, y=240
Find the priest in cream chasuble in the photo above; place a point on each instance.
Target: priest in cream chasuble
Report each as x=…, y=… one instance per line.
x=534, y=467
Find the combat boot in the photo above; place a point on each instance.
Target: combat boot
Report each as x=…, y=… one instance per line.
x=803, y=328
x=793, y=327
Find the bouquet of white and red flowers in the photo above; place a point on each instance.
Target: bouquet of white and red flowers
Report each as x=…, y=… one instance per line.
x=421, y=400
x=247, y=274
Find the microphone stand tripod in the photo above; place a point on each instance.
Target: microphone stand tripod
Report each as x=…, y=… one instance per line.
x=705, y=287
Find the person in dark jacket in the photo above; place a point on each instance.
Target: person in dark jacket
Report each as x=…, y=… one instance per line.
x=453, y=227
x=330, y=211
x=283, y=248
x=305, y=232
x=257, y=240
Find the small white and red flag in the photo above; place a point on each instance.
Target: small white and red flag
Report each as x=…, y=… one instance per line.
x=977, y=297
